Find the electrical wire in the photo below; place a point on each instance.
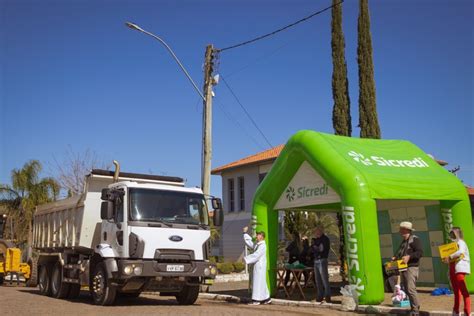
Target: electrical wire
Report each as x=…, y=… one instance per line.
x=280, y=29
x=245, y=110
x=237, y=123
x=255, y=61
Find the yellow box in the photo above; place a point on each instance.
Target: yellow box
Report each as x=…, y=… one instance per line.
x=395, y=265
x=447, y=249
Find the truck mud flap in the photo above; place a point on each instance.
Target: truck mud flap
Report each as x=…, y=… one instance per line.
x=111, y=267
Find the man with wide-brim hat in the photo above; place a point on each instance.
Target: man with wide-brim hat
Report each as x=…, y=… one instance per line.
x=410, y=251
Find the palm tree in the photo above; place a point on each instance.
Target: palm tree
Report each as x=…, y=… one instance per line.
x=24, y=194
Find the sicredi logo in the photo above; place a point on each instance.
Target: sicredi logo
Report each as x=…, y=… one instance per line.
x=305, y=192
x=350, y=229
x=290, y=194
x=417, y=162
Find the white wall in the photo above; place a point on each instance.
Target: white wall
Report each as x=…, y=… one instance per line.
x=231, y=244
x=250, y=175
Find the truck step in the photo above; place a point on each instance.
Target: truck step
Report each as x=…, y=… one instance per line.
x=70, y=280
x=72, y=266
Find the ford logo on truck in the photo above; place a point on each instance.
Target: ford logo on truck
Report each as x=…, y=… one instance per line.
x=175, y=238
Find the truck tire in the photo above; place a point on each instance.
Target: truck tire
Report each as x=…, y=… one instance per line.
x=44, y=282
x=188, y=295
x=33, y=280
x=103, y=293
x=59, y=289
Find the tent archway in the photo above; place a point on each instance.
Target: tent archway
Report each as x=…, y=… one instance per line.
x=358, y=172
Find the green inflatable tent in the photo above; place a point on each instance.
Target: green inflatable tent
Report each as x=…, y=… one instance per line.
x=354, y=176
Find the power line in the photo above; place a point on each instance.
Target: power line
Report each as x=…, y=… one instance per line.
x=256, y=60
x=280, y=29
x=245, y=110
x=237, y=123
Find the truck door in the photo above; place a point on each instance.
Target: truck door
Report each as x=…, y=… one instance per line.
x=112, y=229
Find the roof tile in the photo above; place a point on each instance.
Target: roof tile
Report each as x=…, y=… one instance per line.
x=268, y=154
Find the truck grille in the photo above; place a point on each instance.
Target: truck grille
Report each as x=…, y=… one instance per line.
x=173, y=255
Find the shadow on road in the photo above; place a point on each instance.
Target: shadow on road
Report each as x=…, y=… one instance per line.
x=85, y=298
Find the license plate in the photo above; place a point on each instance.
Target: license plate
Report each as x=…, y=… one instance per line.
x=175, y=268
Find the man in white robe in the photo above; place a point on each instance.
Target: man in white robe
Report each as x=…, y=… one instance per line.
x=260, y=293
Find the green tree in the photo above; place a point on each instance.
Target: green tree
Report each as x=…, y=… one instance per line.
x=302, y=223
x=368, y=120
x=341, y=113
x=24, y=194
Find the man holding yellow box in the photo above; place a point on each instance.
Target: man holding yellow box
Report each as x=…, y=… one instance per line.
x=410, y=251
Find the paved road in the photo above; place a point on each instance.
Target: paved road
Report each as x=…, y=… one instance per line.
x=27, y=301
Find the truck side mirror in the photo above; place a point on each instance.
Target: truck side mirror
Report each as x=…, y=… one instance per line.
x=218, y=217
x=107, y=210
x=216, y=203
x=105, y=196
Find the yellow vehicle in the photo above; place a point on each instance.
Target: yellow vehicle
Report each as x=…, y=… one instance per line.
x=10, y=259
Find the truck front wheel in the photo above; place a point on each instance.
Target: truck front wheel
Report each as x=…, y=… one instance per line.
x=188, y=295
x=103, y=293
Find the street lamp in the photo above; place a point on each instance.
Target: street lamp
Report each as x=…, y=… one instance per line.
x=207, y=113
x=136, y=27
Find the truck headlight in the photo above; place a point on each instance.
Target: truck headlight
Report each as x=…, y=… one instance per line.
x=213, y=270
x=207, y=271
x=138, y=270
x=128, y=269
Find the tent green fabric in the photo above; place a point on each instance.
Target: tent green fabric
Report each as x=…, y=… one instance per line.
x=353, y=174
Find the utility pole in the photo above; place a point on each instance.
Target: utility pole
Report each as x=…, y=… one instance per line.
x=207, y=121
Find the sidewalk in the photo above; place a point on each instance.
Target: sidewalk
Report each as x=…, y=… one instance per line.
x=238, y=292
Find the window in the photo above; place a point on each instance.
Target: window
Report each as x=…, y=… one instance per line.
x=230, y=182
x=167, y=206
x=261, y=176
x=241, y=194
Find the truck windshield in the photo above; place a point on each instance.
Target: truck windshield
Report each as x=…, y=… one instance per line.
x=168, y=206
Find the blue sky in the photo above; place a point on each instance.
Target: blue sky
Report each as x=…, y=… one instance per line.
x=73, y=75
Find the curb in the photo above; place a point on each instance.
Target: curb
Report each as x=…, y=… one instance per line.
x=233, y=277
x=368, y=309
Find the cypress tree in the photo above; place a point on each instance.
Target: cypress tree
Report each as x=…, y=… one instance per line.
x=341, y=112
x=368, y=121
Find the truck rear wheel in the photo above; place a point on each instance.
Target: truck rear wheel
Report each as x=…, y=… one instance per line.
x=44, y=281
x=59, y=289
x=188, y=295
x=33, y=280
x=103, y=293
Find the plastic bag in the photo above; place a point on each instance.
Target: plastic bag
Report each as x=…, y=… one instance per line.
x=350, y=297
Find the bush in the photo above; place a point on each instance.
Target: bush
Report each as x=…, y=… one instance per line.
x=239, y=266
x=225, y=267
x=216, y=259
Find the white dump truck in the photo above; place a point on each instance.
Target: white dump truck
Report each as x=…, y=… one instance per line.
x=126, y=233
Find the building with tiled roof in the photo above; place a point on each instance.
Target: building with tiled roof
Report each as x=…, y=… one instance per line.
x=263, y=157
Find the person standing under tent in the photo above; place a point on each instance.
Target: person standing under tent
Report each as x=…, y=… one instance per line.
x=410, y=251
x=260, y=293
x=293, y=250
x=320, y=251
x=459, y=266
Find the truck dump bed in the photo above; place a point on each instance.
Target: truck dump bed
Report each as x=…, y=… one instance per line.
x=75, y=222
